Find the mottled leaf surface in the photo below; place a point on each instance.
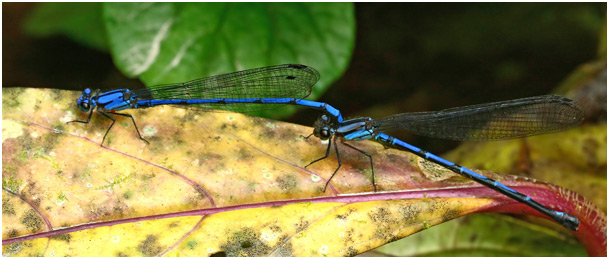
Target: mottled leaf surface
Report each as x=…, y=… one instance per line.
x=222, y=184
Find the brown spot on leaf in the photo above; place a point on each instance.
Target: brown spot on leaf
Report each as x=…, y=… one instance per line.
x=245, y=242
x=284, y=250
x=121, y=254
x=7, y=207
x=64, y=237
x=287, y=182
x=409, y=213
x=301, y=225
x=268, y=134
x=383, y=221
x=379, y=215
x=450, y=214
x=32, y=221
x=244, y=153
x=150, y=246
x=11, y=249
x=13, y=233
x=218, y=254
x=348, y=239
x=351, y=252
x=275, y=228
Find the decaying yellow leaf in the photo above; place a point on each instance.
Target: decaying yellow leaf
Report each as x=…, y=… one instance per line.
x=212, y=184
x=302, y=229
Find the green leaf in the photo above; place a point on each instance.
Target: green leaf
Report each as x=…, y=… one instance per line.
x=177, y=42
x=81, y=22
x=485, y=235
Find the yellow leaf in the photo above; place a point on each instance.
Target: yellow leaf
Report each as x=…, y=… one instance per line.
x=218, y=183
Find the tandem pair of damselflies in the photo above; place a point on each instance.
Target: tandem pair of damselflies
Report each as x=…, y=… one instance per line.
x=261, y=88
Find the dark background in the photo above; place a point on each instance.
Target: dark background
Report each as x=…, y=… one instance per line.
x=408, y=56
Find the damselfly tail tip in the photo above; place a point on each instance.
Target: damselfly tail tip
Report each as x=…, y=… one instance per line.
x=570, y=222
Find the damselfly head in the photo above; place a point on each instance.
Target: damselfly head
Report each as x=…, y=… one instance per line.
x=323, y=128
x=85, y=103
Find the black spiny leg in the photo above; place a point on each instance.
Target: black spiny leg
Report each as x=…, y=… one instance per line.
x=339, y=163
x=371, y=164
x=307, y=137
x=135, y=125
x=85, y=122
x=113, y=121
x=324, y=157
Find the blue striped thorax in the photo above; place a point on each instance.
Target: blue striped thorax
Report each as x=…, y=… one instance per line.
x=116, y=100
x=352, y=129
x=356, y=129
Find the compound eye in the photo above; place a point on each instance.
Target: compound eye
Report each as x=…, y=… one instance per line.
x=85, y=106
x=324, y=134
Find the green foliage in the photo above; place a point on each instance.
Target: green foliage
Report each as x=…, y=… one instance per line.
x=81, y=22
x=176, y=42
x=485, y=235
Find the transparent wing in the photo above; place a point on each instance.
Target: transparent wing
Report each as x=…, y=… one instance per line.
x=492, y=121
x=281, y=81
